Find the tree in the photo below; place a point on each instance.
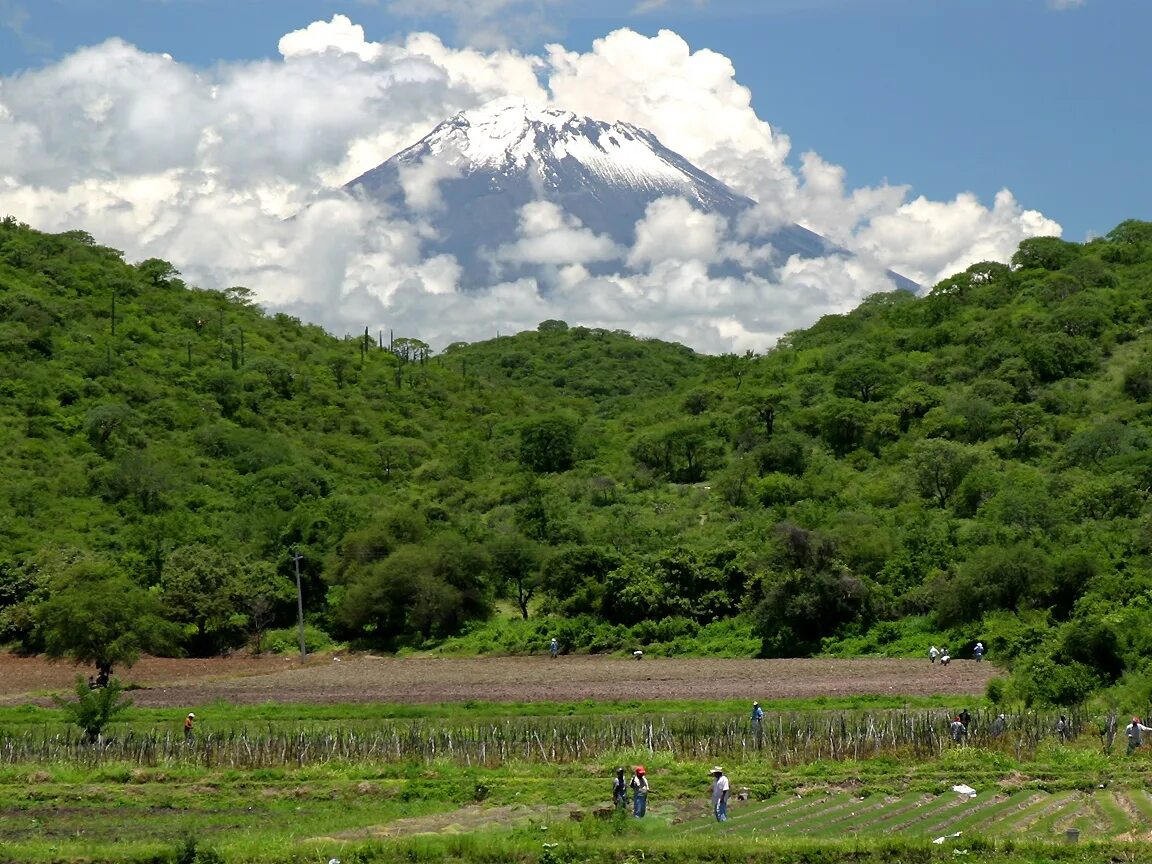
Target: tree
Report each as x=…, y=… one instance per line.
x=1138, y=380
x=418, y=592
x=260, y=591
x=938, y=467
x=992, y=579
x=95, y=707
x=106, y=421
x=863, y=380
x=548, y=444
x=1045, y=253
x=158, y=273
x=801, y=608
x=1020, y=421
x=411, y=350
x=97, y=615
x=767, y=407
x=201, y=589
x=515, y=563
x=842, y=424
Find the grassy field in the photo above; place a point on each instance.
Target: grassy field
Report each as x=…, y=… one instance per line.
x=852, y=776
x=206, y=802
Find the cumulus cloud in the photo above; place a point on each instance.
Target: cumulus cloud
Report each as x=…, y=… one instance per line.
x=550, y=236
x=421, y=184
x=233, y=174
x=672, y=230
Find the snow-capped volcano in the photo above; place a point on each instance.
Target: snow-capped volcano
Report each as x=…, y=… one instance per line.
x=511, y=138
x=472, y=177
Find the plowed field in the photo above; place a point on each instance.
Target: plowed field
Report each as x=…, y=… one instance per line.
x=364, y=678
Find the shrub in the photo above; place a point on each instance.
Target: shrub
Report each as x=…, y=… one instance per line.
x=286, y=640
x=94, y=708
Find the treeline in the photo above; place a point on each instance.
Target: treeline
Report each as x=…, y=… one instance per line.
x=971, y=464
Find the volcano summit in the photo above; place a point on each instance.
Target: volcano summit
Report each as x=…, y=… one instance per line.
x=514, y=191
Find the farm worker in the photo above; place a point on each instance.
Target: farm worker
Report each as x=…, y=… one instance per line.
x=1062, y=728
x=720, y=794
x=999, y=725
x=638, y=654
x=978, y=651
x=757, y=715
x=639, y=786
x=965, y=718
x=1133, y=730
x=933, y=653
x=553, y=647
x=958, y=730
x=620, y=790
x=945, y=657
x=189, y=721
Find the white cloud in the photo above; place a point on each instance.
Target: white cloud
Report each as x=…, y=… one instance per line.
x=672, y=230
x=203, y=167
x=1061, y=5
x=421, y=184
x=549, y=236
x=338, y=36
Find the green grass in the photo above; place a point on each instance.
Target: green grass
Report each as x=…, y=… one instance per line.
x=438, y=808
x=275, y=713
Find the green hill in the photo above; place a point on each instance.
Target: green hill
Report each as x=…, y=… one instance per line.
x=973, y=464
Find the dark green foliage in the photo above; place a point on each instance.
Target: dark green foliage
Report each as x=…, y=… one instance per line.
x=1138, y=381
x=94, y=707
x=801, y=609
x=814, y=597
x=1040, y=680
x=548, y=444
x=1046, y=253
x=95, y=614
x=977, y=457
x=190, y=851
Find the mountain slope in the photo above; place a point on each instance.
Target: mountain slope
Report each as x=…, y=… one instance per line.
x=491, y=162
x=973, y=464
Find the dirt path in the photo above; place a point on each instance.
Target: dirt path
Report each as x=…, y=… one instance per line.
x=365, y=678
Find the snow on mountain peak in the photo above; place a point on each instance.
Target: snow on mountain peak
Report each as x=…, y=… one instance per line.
x=511, y=136
x=475, y=177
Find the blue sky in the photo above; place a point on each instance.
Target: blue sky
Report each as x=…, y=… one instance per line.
x=944, y=95
x=919, y=135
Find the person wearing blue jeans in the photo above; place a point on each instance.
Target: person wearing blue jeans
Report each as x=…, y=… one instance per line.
x=639, y=792
x=620, y=790
x=720, y=788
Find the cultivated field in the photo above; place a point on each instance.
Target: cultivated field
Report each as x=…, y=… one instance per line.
x=423, y=680
x=294, y=763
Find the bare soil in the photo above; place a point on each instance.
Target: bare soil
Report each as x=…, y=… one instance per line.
x=367, y=678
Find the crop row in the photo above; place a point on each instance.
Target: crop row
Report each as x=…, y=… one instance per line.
x=1027, y=814
x=786, y=739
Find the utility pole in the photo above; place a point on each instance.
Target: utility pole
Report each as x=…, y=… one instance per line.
x=300, y=605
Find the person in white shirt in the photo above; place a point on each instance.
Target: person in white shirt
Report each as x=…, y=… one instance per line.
x=639, y=786
x=957, y=730
x=933, y=653
x=1133, y=730
x=720, y=788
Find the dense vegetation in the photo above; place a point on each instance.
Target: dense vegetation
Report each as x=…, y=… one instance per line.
x=972, y=464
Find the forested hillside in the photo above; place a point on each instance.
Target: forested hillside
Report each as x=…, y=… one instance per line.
x=973, y=464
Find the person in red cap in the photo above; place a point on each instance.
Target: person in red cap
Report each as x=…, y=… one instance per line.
x=639, y=786
x=1133, y=730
